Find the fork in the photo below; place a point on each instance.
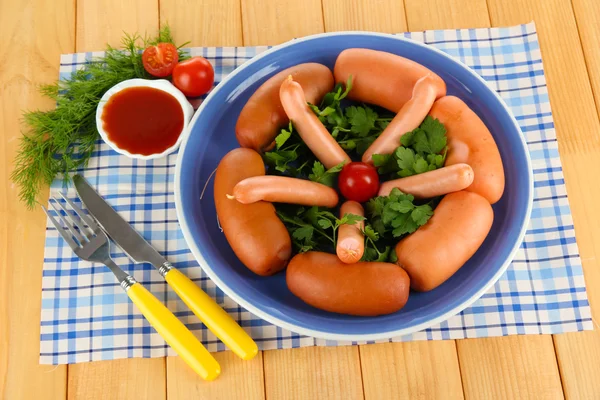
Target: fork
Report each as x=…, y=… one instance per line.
x=92, y=244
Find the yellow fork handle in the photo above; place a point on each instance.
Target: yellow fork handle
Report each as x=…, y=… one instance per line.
x=175, y=333
x=213, y=316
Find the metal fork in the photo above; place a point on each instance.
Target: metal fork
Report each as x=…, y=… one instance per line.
x=92, y=244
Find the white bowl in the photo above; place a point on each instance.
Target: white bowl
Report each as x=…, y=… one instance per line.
x=160, y=84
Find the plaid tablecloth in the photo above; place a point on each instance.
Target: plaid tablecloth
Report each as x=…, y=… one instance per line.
x=86, y=316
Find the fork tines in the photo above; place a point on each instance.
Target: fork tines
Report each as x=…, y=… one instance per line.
x=81, y=234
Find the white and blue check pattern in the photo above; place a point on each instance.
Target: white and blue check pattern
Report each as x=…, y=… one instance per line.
x=87, y=317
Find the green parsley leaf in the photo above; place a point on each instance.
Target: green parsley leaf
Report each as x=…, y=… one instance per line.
x=320, y=175
x=324, y=223
x=402, y=206
x=370, y=233
x=405, y=158
x=304, y=233
x=420, y=165
x=362, y=119
x=403, y=224
x=350, y=219
x=421, y=214
x=283, y=137
x=370, y=254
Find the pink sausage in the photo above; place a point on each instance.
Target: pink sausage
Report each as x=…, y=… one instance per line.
x=311, y=130
x=351, y=241
x=281, y=189
x=432, y=183
x=408, y=118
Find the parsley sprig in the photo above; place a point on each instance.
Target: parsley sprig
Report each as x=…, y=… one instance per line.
x=421, y=150
x=313, y=228
x=354, y=127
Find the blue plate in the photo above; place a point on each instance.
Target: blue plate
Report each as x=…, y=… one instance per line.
x=211, y=135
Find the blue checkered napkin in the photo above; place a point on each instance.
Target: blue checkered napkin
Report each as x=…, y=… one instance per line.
x=86, y=316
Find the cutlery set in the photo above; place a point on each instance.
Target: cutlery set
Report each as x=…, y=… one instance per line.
x=88, y=236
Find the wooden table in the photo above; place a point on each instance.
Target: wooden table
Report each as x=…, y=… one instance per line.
x=35, y=32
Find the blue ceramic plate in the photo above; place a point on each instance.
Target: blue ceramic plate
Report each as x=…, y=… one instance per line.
x=211, y=135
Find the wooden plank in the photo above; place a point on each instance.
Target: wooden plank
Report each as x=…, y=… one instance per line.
x=239, y=379
x=211, y=23
x=444, y=14
x=536, y=359
x=35, y=34
x=499, y=368
x=387, y=369
x=364, y=15
x=587, y=14
x=577, y=129
x=274, y=22
x=313, y=373
x=100, y=22
x=117, y=379
x=415, y=370
x=204, y=23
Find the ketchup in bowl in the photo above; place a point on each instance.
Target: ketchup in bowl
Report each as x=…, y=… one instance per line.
x=143, y=120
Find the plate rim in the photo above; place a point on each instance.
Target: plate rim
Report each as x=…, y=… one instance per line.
x=324, y=334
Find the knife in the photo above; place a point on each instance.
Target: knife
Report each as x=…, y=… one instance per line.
x=139, y=250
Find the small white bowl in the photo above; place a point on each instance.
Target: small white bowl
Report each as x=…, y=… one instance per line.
x=161, y=84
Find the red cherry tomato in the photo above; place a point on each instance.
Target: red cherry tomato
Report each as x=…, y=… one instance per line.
x=160, y=60
x=358, y=181
x=194, y=77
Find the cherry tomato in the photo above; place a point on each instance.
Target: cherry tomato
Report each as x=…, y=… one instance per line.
x=358, y=181
x=160, y=60
x=194, y=77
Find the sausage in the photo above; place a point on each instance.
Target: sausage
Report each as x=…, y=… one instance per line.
x=254, y=232
x=470, y=142
x=382, y=78
x=435, y=251
x=410, y=116
x=364, y=288
x=351, y=241
x=432, y=183
x=263, y=114
x=311, y=130
x=282, y=189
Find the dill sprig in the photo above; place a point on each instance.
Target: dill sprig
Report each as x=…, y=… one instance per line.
x=62, y=140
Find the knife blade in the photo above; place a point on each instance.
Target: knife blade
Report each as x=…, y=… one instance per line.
x=122, y=233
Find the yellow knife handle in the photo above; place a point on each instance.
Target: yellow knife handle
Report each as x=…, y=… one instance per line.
x=175, y=333
x=213, y=316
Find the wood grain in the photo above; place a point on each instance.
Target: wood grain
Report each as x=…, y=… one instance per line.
x=203, y=23
x=274, y=22
x=364, y=15
x=117, y=379
x=99, y=22
x=104, y=21
x=239, y=380
x=577, y=128
x=313, y=373
x=587, y=14
x=537, y=359
x=34, y=33
x=499, y=368
x=415, y=370
x=445, y=14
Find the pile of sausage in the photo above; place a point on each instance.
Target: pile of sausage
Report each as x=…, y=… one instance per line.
x=472, y=179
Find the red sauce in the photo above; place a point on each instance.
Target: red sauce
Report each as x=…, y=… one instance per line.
x=143, y=120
